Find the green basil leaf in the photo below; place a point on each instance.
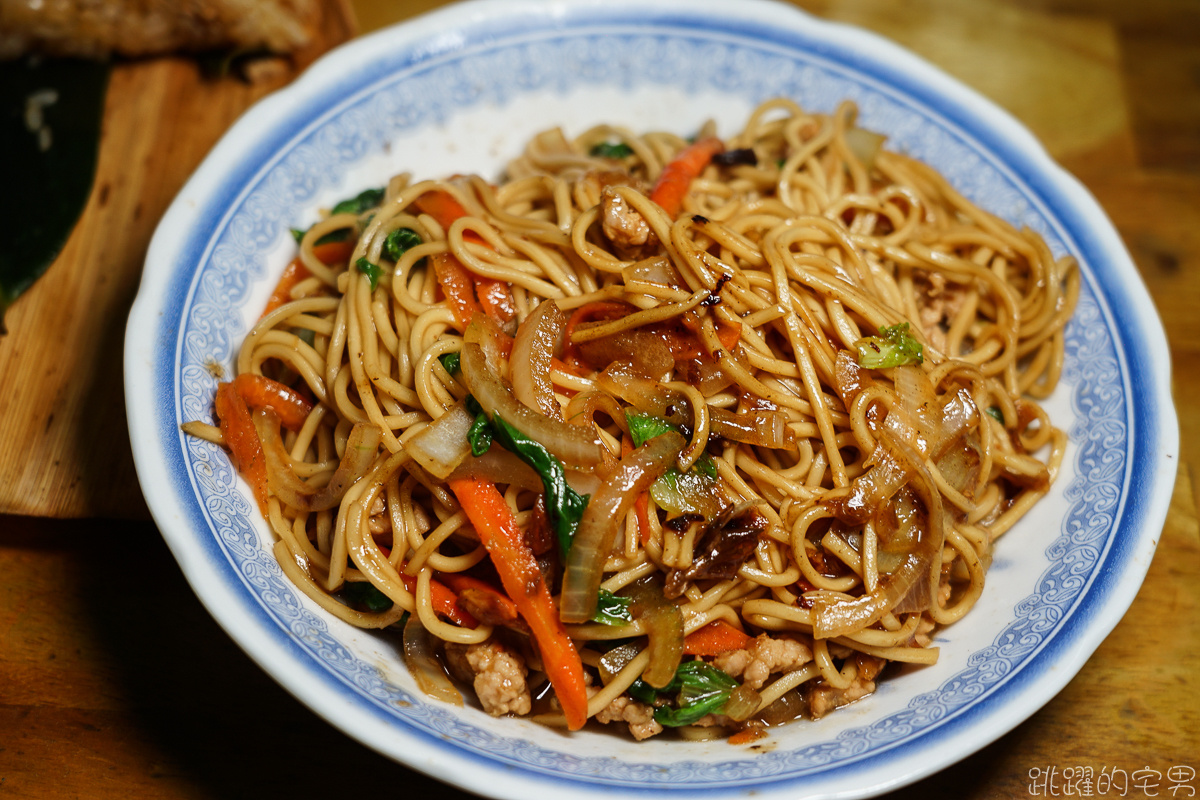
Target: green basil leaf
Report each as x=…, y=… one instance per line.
x=365, y=594
x=564, y=506
x=480, y=435
x=361, y=202
x=399, y=241
x=373, y=271
x=613, y=609
x=644, y=427
x=615, y=150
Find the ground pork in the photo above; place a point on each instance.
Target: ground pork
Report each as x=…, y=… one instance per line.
x=825, y=698
x=938, y=305
x=497, y=673
x=765, y=657
x=639, y=716
x=625, y=227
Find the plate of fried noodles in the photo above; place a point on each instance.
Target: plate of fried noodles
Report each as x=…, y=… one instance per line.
x=617, y=398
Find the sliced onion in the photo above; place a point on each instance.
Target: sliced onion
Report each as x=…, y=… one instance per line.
x=865, y=145
x=656, y=269
x=605, y=513
x=583, y=407
x=742, y=704
x=572, y=444
x=615, y=660
x=499, y=466
x=442, y=445
x=838, y=618
x=663, y=622
x=642, y=351
x=361, y=448
x=536, y=341
x=647, y=396
x=761, y=427
x=420, y=655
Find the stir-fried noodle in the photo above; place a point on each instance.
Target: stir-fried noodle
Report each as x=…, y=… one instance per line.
x=659, y=432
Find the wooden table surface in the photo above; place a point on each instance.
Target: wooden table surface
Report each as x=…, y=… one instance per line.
x=115, y=683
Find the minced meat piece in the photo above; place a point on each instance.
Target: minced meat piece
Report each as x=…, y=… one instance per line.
x=639, y=716
x=765, y=657
x=825, y=698
x=497, y=673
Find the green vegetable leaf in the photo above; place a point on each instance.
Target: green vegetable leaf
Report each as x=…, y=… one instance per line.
x=564, y=506
x=996, y=413
x=616, y=150
x=398, y=241
x=452, y=362
x=698, y=688
x=613, y=609
x=480, y=435
x=674, y=489
x=361, y=202
x=365, y=594
x=50, y=118
x=373, y=271
x=644, y=427
x=893, y=347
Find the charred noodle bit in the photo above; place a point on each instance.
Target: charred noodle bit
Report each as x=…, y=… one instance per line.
x=752, y=407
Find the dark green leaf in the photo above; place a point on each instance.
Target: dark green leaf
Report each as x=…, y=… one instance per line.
x=893, y=347
x=644, y=427
x=612, y=609
x=361, y=202
x=615, y=150
x=373, y=271
x=452, y=362
x=480, y=435
x=564, y=506
x=996, y=413
x=50, y=135
x=365, y=594
x=398, y=241
x=697, y=689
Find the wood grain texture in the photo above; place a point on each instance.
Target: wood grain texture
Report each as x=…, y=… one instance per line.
x=64, y=444
x=115, y=682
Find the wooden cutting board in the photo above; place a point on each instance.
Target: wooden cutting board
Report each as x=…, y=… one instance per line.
x=64, y=446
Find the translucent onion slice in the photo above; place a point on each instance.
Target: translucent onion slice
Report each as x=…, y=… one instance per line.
x=574, y=445
x=663, y=622
x=442, y=445
x=361, y=448
x=743, y=703
x=842, y=617
x=538, y=337
x=605, y=514
x=420, y=655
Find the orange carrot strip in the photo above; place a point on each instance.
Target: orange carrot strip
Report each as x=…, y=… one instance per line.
x=242, y=440
x=262, y=392
x=715, y=638
x=457, y=285
x=495, y=297
x=522, y=579
x=457, y=582
x=675, y=178
x=293, y=274
x=444, y=209
x=334, y=252
x=445, y=601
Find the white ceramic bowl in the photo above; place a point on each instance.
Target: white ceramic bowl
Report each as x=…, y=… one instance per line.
x=459, y=91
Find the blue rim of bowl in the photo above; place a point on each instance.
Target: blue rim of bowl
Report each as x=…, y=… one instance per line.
x=1149, y=421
